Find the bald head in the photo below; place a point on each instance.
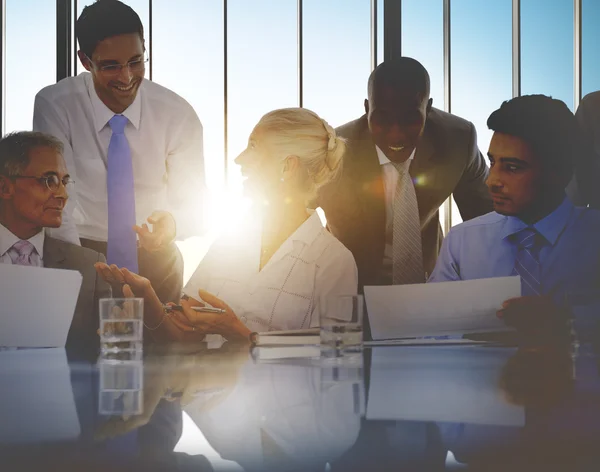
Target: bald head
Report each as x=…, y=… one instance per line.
x=398, y=106
x=403, y=75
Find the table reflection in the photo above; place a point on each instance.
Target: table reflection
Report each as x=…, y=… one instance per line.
x=399, y=408
x=283, y=416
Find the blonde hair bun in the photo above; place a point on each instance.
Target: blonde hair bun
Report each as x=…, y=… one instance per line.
x=302, y=133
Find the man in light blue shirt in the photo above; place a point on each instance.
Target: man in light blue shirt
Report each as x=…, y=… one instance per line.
x=535, y=231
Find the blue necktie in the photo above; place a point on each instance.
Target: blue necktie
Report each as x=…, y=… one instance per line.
x=527, y=264
x=122, y=240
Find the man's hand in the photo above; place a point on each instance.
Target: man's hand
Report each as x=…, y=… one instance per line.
x=133, y=285
x=538, y=319
x=163, y=231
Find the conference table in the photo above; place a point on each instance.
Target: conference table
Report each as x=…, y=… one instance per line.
x=230, y=407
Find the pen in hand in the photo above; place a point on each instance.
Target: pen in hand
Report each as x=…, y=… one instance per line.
x=201, y=309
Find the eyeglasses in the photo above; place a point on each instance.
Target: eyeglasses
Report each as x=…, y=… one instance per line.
x=52, y=182
x=115, y=69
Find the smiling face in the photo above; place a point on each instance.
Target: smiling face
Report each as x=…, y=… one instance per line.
x=118, y=91
x=396, y=121
x=262, y=172
x=30, y=203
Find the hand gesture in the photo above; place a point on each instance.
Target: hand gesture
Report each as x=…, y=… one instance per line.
x=162, y=234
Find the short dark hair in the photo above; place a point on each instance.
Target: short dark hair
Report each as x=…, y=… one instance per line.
x=403, y=74
x=545, y=124
x=15, y=149
x=104, y=19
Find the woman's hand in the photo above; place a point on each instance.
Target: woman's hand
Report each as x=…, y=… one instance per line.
x=226, y=324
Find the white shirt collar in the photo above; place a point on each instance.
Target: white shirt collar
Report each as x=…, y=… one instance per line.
x=305, y=234
x=102, y=114
x=383, y=159
x=8, y=240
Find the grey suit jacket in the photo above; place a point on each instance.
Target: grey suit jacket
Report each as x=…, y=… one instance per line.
x=447, y=161
x=62, y=255
x=583, y=189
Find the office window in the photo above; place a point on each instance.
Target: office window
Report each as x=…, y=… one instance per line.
x=141, y=7
x=337, y=58
x=590, y=46
x=191, y=64
x=262, y=68
x=30, y=58
x=423, y=40
x=547, y=48
x=481, y=61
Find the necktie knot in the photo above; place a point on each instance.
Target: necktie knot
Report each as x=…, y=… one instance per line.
x=117, y=124
x=24, y=253
x=23, y=248
x=528, y=238
x=402, y=167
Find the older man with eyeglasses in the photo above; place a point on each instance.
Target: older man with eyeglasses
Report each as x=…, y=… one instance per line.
x=134, y=147
x=34, y=183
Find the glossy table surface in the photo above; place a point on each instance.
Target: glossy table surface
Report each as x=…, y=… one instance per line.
x=391, y=408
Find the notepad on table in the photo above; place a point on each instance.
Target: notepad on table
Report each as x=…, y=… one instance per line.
x=296, y=337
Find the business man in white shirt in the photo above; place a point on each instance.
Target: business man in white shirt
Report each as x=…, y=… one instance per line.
x=133, y=147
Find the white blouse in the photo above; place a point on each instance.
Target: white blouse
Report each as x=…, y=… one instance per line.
x=305, y=274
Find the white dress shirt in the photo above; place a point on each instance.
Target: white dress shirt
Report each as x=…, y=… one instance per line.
x=390, y=181
x=8, y=240
x=291, y=290
x=165, y=137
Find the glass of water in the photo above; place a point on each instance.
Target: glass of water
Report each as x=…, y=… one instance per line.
x=342, y=325
x=121, y=324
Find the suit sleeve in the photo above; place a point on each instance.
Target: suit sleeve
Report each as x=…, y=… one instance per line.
x=47, y=120
x=471, y=194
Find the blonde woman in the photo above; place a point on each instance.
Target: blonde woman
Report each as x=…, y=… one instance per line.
x=282, y=267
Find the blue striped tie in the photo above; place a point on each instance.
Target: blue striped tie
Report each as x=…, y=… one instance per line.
x=527, y=264
x=122, y=240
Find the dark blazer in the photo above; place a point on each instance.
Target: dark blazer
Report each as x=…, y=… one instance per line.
x=583, y=189
x=62, y=255
x=447, y=161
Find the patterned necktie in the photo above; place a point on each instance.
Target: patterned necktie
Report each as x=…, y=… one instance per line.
x=407, y=253
x=527, y=264
x=24, y=253
x=122, y=240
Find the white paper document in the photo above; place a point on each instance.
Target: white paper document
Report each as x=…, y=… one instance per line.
x=446, y=384
x=435, y=309
x=36, y=305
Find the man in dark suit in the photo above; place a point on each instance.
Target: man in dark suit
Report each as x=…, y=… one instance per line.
x=405, y=158
x=33, y=193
